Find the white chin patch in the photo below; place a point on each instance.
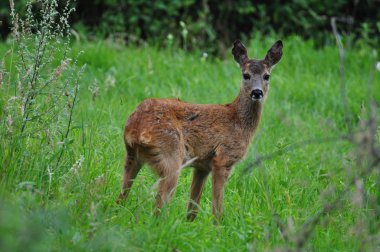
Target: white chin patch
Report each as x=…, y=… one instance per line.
x=257, y=100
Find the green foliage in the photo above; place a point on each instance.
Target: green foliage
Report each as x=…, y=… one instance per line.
x=211, y=25
x=39, y=92
x=303, y=104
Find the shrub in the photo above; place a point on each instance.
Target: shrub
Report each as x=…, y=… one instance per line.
x=211, y=25
x=39, y=92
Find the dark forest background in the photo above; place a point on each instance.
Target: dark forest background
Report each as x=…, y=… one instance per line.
x=212, y=25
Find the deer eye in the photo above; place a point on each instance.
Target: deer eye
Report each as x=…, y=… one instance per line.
x=246, y=76
x=266, y=77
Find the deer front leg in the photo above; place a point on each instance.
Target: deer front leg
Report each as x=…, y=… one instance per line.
x=199, y=179
x=220, y=175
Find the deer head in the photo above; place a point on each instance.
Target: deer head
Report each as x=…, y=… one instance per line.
x=256, y=73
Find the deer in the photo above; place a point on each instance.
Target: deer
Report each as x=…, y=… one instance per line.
x=170, y=134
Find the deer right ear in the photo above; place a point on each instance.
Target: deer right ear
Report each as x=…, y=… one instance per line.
x=240, y=52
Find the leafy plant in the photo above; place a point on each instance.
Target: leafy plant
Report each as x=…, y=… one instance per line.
x=39, y=91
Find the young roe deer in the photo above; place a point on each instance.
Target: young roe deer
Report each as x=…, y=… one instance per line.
x=169, y=134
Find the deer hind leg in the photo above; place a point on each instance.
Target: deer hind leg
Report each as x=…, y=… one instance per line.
x=131, y=169
x=168, y=168
x=199, y=179
x=166, y=190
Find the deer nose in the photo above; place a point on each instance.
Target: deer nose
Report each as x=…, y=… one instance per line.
x=257, y=94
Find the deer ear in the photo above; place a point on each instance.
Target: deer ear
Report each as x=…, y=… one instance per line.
x=274, y=54
x=240, y=52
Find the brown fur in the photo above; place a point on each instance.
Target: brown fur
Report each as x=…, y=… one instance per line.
x=168, y=133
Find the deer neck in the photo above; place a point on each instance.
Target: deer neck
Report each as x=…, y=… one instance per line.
x=248, y=112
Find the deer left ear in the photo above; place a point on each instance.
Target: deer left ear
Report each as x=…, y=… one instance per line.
x=274, y=54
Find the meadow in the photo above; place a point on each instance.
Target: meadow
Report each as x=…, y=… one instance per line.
x=73, y=208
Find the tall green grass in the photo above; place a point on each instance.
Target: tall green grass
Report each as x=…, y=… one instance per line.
x=76, y=209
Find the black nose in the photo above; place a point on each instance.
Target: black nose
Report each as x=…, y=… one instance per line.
x=257, y=94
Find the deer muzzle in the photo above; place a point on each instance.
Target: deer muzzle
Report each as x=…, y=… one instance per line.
x=257, y=94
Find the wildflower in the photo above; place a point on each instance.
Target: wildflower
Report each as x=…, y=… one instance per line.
x=77, y=165
x=110, y=81
x=9, y=123
x=61, y=67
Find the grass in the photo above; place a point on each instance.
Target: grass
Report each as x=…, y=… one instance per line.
x=77, y=210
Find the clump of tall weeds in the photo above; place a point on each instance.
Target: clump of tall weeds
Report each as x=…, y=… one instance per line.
x=39, y=83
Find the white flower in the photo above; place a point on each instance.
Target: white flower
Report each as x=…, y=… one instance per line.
x=77, y=165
